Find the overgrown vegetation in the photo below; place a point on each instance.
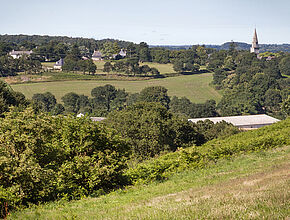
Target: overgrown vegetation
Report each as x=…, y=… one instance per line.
x=44, y=158
x=273, y=136
x=251, y=185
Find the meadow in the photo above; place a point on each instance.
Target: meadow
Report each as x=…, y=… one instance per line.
x=195, y=87
x=253, y=186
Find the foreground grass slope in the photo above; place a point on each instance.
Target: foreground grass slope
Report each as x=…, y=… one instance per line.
x=194, y=87
x=240, y=177
x=253, y=186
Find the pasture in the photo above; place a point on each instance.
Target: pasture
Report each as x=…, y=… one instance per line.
x=195, y=87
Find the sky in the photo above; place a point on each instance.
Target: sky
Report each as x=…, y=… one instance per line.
x=157, y=22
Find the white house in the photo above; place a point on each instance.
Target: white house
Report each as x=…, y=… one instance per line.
x=16, y=54
x=58, y=65
x=244, y=122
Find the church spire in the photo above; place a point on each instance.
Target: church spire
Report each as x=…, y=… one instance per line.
x=255, y=44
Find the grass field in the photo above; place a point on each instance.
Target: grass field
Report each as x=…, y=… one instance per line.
x=195, y=87
x=163, y=68
x=253, y=186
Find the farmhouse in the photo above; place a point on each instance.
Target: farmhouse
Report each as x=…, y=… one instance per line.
x=122, y=53
x=97, y=55
x=58, y=65
x=19, y=53
x=245, y=122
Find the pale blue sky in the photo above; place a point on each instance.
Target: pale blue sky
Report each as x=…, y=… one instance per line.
x=157, y=22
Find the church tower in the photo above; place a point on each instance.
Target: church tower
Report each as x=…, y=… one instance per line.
x=255, y=45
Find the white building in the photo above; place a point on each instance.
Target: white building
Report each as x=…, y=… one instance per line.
x=16, y=54
x=58, y=65
x=245, y=122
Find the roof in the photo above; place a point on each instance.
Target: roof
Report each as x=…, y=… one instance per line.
x=241, y=120
x=59, y=63
x=122, y=53
x=20, y=52
x=255, y=40
x=97, y=54
x=97, y=118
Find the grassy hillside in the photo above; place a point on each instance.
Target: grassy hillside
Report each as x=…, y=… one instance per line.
x=251, y=186
x=195, y=87
x=240, y=177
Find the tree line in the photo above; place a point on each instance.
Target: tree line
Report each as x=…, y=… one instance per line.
x=251, y=84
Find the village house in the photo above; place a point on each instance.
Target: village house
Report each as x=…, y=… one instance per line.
x=120, y=55
x=58, y=65
x=16, y=54
x=244, y=122
x=97, y=55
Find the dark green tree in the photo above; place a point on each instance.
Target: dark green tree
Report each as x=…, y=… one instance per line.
x=284, y=65
x=151, y=129
x=71, y=102
x=155, y=94
x=46, y=101
x=109, y=96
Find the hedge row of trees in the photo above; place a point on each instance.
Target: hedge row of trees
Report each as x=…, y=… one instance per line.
x=131, y=67
x=107, y=98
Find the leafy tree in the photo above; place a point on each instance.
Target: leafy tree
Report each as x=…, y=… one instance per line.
x=5, y=48
x=151, y=129
x=109, y=97
x=10, y=98
x=210, y=130
x=185, y=107
x=58, y=109
x=108, y=67
x=272, y=69
x=155, y=94
x=71, y=102
x=90, y=67
x=144, y=52
x=286, y=106
x=46, y=101
x=273, y=100
x=284, y=65
x=218, y=77
x=178, y=66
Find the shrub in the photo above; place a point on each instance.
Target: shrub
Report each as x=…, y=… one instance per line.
x=43, y=158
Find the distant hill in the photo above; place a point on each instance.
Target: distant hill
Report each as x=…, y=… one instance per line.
x=43, y=39
x=245, y=46
x=240, y=46
x=90, y=42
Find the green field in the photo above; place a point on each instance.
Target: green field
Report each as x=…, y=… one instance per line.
x=163, y=68
x=195, y=87
x=254, y=186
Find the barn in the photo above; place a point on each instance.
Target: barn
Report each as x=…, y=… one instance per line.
x=244, y=122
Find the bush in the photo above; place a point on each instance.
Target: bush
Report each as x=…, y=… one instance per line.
x=44, y=158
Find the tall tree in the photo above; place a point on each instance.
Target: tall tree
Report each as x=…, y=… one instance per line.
x=155, y=94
